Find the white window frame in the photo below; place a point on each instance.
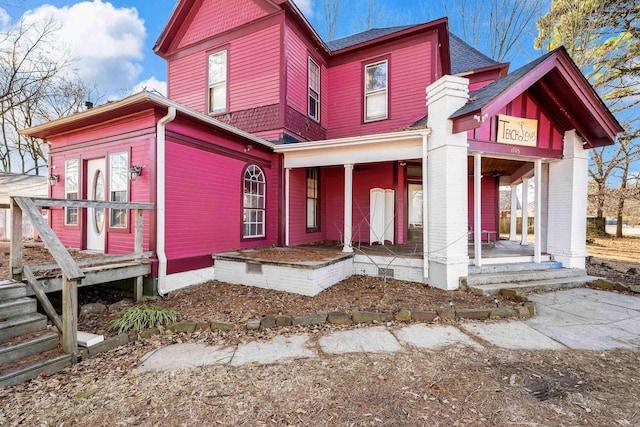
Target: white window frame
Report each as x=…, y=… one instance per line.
x=71, y=190
x=118, y=188
x=217, y=84
x=313, y=199
x=370, y=93
x=314, y=89
x=254, y=202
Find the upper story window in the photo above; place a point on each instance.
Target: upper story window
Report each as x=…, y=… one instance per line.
x=253, y=202
x=376, y=79
x=71, y=178
x=118, y=187
x=314, y=90
x=218, y=82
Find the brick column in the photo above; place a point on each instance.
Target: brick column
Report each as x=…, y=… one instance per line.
x=447, y=185
x=567, y=205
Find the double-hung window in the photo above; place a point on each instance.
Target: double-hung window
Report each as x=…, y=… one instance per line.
x=312, y=199
x=118, y=187
x=71, y=181
x=314, y=90
x=253, y=201
x=218, y=82
x=376, y=100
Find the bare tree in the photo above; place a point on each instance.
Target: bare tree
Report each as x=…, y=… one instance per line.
x=330, y=9
x=494, y=27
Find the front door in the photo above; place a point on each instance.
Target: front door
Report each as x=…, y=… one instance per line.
x=414, y=232
x=95, y=217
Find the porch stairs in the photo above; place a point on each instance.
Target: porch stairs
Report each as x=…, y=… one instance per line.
x=525, y=277
x=27, y=347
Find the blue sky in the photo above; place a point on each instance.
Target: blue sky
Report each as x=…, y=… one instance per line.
x=111, y=42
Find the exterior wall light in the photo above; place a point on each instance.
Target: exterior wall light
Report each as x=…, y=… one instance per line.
x=53, y=179
x=135, y=172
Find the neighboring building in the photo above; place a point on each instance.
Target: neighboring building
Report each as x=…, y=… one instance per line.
x=270, y=136
x=13, y=184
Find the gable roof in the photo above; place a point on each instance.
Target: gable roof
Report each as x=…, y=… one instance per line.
x=464, y=57
x=558, y=86
x=365, y=36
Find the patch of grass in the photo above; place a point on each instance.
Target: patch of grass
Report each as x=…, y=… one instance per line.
x=143, y=317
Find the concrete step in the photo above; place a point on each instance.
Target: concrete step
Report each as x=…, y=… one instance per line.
x=34, y=344
x=11, y=290
x=522, y=276
x=534, y=285
x=20, y=325
x=47, y=366
x=504, y=268
x=17, y=307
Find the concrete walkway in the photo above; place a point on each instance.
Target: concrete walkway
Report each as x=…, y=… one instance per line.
x=577, y=319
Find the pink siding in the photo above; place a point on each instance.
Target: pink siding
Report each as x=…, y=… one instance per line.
x=411, y=70
x=332, y=202
x=253, y=77
x=489, y=205
x=199, y=226
x=215, y=17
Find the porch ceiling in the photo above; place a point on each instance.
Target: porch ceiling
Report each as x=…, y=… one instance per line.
x=496, y=167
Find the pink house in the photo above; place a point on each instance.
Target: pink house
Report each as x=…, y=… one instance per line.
x=271, y=136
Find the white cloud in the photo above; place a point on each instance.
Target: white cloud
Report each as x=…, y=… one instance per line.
x=106, y=43
x=5, y=19
x=306, y=7
x=151, y=84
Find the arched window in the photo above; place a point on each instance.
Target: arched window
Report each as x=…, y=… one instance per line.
x=253, y=202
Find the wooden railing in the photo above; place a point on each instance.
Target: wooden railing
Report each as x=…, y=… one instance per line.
x=72, y=273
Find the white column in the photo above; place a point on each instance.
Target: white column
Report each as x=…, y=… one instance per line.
x=447, y=183
x=513, y=230
x=477, y=208
x=537, y=219
x=425, y=212
x=348, y=208
x=287, y=173
x=567, y=205
x=525, y=211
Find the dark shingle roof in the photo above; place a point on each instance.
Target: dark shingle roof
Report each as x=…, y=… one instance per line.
x=466, y=58
x=364, y=36
x=483, y=96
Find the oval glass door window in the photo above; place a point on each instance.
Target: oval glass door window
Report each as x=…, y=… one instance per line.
x=98, y=194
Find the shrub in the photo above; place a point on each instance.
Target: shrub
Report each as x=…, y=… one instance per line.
x=143, y=317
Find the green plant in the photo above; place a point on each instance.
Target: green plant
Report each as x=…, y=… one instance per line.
x=143, y=317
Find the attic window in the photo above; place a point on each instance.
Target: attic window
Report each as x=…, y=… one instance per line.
x=375, y=91
x=218, y=82
x=314, y=90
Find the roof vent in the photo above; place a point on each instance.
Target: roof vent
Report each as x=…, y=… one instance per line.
x=88, y=104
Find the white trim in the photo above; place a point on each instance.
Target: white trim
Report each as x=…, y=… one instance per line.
x=513, y=226
x=537, y=220
x=287, y=201
x=525, y=212
x=477, y=208
x=348, y=208
x=425, y=209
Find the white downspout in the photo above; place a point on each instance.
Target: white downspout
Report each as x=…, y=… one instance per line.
x=425, y=212
x=161, y=198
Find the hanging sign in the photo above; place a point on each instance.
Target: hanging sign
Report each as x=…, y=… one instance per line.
x=517, y=131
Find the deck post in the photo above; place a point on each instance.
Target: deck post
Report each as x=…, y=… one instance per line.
x=15, y=262
x=138, y=244
x=287, y=179
x=69, y=315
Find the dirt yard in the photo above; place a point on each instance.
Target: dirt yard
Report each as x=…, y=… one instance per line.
x=451, y=387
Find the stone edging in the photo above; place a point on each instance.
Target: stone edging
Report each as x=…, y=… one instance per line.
x=525, y=311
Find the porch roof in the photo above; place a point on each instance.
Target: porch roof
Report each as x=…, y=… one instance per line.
x=558, y=86
x=134, y=103
x=392, y=146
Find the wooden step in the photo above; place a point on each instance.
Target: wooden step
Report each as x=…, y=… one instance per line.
x=35, y=343
x=48, y=365
x=20, y=325
x=17, y=307
x=11, y=290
